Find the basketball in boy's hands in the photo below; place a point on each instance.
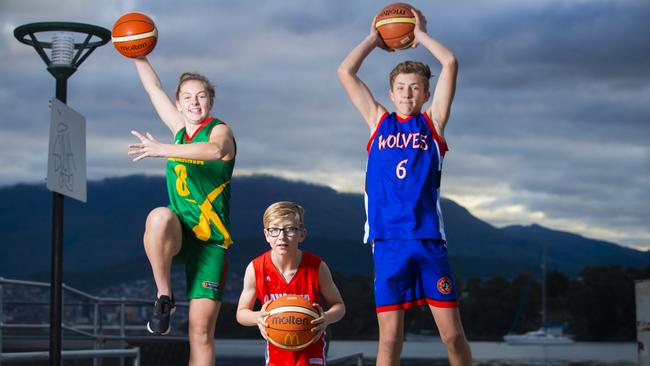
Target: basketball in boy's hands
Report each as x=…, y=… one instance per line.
x=289, y=322
x=134, y=35
x=395, y=24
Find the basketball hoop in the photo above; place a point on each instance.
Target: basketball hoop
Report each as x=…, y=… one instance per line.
x=69, y=43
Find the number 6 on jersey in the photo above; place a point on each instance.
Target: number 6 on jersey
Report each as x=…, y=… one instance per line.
x=400, y=170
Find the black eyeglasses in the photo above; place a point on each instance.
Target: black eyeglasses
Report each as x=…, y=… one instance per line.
x=288, y=231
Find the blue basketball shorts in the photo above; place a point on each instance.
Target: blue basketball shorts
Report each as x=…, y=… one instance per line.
x=411, y=273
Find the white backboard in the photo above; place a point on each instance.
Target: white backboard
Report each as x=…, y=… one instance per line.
x=66, y=163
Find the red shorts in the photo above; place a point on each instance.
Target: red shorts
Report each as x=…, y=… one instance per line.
x=313, y=355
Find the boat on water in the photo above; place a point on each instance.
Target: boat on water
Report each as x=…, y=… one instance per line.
x=546, y=335
x=541, y=336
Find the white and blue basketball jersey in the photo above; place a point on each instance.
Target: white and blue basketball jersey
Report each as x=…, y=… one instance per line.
x=403, y=180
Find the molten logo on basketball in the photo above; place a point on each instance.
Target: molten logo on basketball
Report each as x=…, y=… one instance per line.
x=291, y=319
x=134, y=47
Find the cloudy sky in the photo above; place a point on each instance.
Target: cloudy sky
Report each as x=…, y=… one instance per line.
x=550, y=123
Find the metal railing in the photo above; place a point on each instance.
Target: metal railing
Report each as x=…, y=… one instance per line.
x=84, y=354
x=96, y=331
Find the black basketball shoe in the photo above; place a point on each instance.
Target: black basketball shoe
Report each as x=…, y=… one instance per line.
x=163, y=309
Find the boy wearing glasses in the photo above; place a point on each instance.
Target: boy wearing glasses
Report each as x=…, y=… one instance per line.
x=284, y=270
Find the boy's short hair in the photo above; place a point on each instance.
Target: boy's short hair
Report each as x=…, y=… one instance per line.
x=411, y=67
x=187, y=76
x=283, y=209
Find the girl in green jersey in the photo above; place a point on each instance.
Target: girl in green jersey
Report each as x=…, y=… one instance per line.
x=195, y=228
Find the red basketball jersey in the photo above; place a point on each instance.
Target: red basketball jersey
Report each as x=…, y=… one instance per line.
x=270, y=284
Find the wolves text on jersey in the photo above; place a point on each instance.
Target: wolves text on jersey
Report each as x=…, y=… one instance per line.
x=400, y=140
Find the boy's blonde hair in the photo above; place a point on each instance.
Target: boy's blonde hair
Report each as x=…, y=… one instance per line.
x=187, y=76
x=281, y=210
x=411, y=67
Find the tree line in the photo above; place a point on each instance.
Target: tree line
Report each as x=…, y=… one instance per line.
x=596, y=305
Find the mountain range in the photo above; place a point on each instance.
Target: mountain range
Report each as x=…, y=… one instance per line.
x=103, y=238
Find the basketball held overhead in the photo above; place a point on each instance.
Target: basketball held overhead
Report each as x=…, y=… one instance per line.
x=134, y=35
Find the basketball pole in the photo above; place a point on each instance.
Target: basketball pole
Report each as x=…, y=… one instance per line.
x=56, y=277
x=61, y=67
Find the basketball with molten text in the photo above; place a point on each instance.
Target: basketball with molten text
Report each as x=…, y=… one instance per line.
x=134, y=35
x=289, y=322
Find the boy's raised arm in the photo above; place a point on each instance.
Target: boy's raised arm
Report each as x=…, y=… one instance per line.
x=446, y=86
x=358, y=92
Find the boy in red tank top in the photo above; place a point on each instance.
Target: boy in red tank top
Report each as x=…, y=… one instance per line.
x=283, y=270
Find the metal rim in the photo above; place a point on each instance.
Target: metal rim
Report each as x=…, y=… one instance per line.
x=24, y=32
x=27, y=34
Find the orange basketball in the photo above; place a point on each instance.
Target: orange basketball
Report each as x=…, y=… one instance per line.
x=134, y=35
x=290, y=322
x=395, y=24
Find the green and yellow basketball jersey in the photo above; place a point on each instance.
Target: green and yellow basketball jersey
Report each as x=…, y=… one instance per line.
x=199, y=191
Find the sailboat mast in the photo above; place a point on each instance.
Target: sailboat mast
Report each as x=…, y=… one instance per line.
x=544, y=286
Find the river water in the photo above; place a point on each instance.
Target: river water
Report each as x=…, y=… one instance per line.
x=432, y=352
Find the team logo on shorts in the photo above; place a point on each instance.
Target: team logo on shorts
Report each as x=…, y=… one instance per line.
x=444, y=285
x=211, y=285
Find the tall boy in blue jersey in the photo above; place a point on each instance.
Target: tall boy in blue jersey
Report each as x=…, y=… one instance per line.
x=404, y=222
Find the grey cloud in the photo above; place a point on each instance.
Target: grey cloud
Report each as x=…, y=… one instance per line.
x=551, y=100
x=570, y=42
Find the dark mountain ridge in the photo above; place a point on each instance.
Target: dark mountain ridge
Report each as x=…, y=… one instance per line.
x=103, y=238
